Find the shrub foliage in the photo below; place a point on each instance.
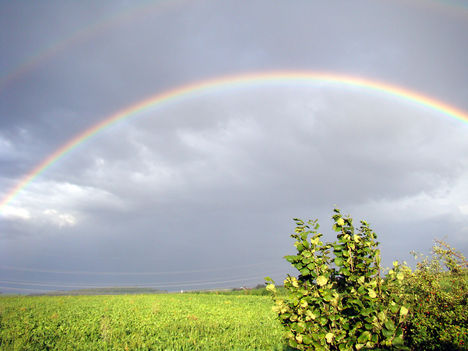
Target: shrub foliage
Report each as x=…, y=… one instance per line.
x=339, y=303
x=437, y=292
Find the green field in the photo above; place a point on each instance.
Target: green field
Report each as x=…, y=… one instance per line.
x=139, y=322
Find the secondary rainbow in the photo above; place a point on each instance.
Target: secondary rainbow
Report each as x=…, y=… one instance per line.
x=232, y=81
x=136, y=12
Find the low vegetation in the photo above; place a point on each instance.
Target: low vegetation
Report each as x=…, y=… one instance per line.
x=139, y=322
x=437, y=292
x=345, y=303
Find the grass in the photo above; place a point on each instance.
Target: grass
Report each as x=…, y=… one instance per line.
x=139, y=322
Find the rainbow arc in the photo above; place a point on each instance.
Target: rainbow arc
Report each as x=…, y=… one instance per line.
x=184, y=91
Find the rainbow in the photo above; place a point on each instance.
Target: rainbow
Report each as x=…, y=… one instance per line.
x=81, y=35
x=113, y=20
x=228, y=82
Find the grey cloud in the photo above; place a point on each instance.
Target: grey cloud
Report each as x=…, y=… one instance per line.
x=214, y=178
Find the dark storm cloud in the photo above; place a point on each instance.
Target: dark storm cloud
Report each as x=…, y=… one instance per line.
x=255, y=146
x=214, y=178
x=152, y=53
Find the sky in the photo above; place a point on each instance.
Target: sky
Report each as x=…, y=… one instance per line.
x=199, y=191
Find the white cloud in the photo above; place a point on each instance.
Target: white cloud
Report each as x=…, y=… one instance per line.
x=11, y=212
x=59, y=219
x=6, y=147
x=48, y=217
x=58, y=204
x=463, y=209
x=447, y=200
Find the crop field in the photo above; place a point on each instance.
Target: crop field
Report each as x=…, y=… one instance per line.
x=139, y=322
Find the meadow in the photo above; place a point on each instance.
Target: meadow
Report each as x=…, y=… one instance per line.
x=139, y=322
x=431, y=313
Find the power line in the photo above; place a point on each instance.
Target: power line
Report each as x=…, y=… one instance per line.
x=27, y=269
x=147, y=285
x=26, y=283
x=21, y=289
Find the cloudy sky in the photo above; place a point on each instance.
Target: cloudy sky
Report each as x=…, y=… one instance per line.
x=200, y=192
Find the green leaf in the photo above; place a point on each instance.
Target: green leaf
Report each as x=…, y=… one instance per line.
x=321, y=280
x=357, y=302
x=327, y=296
x=293, y=343
x=339, y=261
x=306, y=339
x=344, y=347
x=387, y=333
x=329, y=337
x=398, y=341
x=389, y=325
x=298, y=265
x=311, y=314
x=403, y=311
x=382, y=316
x=364, y=337
x=394, y=308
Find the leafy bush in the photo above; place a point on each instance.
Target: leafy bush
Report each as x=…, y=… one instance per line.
x=437, y=293
x=344, y=307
